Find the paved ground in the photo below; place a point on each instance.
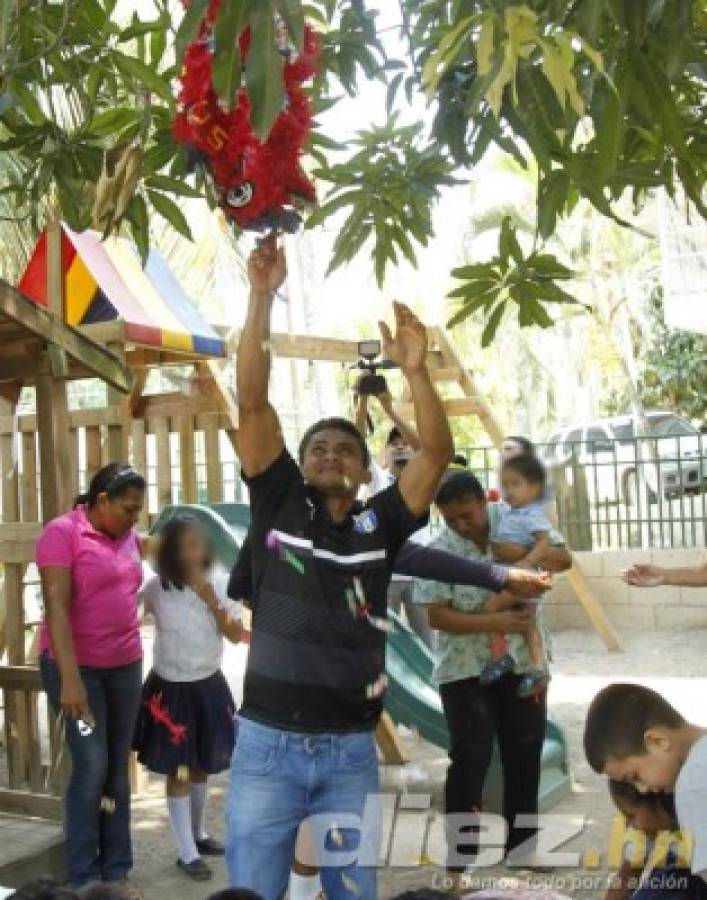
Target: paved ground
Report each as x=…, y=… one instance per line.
x=675, y=664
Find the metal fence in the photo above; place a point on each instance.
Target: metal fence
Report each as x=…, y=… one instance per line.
x=612, y=494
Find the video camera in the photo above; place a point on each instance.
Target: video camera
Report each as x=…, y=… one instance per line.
x=371, y=384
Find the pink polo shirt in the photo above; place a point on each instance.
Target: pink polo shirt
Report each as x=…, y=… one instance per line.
x=106, y=574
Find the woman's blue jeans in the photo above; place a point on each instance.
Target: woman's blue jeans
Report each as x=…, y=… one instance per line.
x=98, y=846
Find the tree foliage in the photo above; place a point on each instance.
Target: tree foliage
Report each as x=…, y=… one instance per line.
x=602, y=98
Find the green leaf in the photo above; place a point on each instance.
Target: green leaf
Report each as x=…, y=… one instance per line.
x=27, y=101
x=158, y=45
x=136, y=214
x=476, y=270
x=263, y=71
x=138, y=29
x=169, y=210
x=491, y=327
x=552, y=196
x=189, y=26
x=293, y=17
x=226, y=68
x=548, y=266
x=508, y=245
x=318, y=215
x=392, y=92
x=447, y=51
x=151, y=79
x=112, y=120
x=172, y=186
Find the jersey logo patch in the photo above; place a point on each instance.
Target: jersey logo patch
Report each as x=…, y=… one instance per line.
x=365, y=522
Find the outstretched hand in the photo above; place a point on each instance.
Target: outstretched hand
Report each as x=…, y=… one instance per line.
x=643, y=576
x=527, y=582
x=408, y=348
x=267, y=267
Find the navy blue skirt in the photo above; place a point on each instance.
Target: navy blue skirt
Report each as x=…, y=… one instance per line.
x=186, y=724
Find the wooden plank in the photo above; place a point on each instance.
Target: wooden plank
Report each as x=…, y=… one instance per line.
x=177, y=404
x=117, y=431
x=93, y=451
x=20, y=678
x=23, y=803
x=41, y=322
x=16, y=733
x=73, y=449
x=79, y=418
x=139, y=461
x=230, y=405
x=456, y=406
x=19, y=531
x=17, y=367
x=55, y=462
x=389, y=742
x=212, y=449
x=187, y=458
x=136, y=402
x=593, y=609
x=30, y=500
x=164, y=473
x=483, y=411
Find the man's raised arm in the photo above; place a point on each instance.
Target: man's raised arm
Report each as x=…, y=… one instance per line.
x=259, y=435
x=421, y=476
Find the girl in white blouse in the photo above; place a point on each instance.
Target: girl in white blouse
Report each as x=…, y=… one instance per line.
x=186, y=726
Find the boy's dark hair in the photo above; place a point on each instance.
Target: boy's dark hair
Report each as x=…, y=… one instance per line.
x=618, y=718
x=235, y=893
x=624, y=790
x=528, y=467
x=114, y=480
x=43, y=889
x=527, y=447
x=336, y=424
x=459, y=485
x=169, y=567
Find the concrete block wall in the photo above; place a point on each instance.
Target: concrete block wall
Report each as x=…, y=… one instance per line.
x=662, y=608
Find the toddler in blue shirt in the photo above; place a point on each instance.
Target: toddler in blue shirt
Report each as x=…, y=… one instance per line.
x=522, y=538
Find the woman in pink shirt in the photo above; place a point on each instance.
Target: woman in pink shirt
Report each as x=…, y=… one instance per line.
x=91, y=663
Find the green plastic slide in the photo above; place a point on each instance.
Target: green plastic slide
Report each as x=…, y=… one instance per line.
x=412, y=697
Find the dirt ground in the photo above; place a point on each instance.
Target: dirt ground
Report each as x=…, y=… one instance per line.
x=673, y=663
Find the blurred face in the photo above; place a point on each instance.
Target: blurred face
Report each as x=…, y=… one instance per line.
x=397, y=455
x=510, y=448
x=193, y=551
x=117, y=515
x=467, y=516
x=333, y=464
x=654, y=771
x=647, y=817
x=517, y=491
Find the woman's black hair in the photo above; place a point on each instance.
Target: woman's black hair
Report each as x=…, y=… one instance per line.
x=114, y=480
x=624, y=790
x=235, y=893
x=335, y=423
x=169, y=565
x=528, y=467
x=459, y=484
x=527, y=447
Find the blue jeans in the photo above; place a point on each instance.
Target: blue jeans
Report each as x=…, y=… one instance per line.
x=279, y=779
x=98, y=846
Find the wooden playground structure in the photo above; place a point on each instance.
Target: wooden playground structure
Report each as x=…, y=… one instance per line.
x=181, y=440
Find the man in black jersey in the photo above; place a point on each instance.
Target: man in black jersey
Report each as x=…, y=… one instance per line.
x=321, y=566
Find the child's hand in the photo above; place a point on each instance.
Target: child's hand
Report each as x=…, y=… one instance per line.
x=527, y=582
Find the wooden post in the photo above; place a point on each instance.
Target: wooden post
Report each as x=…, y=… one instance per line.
x=117, y=432
x=53, y=431
x=389, y=742
x=187, y=458
x=212, y=449
x=15, y=719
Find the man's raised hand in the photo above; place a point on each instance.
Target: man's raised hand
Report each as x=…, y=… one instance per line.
x=408, y=349
x=267, y=267
x=527, y=583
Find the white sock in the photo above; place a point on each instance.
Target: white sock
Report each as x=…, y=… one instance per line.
x=179, y=809
x=198, y=810
x=304, y=887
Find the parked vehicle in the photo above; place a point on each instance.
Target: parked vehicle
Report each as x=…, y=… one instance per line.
x=671, y=457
